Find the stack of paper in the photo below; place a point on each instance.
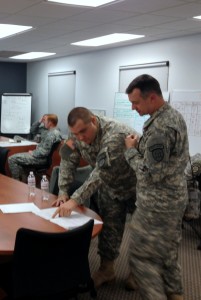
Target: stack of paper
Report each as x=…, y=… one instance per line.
x=73, y=221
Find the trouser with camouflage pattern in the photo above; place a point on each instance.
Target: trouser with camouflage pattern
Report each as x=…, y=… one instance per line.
x=113, y=213
x=154, y=242
x=17, y=161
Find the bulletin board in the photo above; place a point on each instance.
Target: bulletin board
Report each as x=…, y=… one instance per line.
x=16, y=113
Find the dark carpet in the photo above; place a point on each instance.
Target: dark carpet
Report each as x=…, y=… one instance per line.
x=190, y=259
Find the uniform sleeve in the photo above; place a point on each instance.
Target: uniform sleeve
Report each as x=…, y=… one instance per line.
x=154, y=164
x=89, y=187
x=110, y=163
x=34, y=128
x=69, y=162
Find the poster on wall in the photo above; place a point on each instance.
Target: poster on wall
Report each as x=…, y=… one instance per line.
x=124, y=113
x=188, y=103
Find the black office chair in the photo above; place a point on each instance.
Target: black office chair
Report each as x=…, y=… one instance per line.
x=51, y=265
x=3, y=158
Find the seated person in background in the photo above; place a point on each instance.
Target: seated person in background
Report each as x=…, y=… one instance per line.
x=193, y=168
x=37, y=131
x=193, y=178
x=40, y=154
x=38, y=128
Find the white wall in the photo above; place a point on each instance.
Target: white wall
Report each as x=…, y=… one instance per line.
x=97, y=73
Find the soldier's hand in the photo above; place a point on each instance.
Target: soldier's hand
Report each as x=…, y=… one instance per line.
x=70, y=144
x=60, y=200
x=65, y=209
x=42, y=119
x=131, y=141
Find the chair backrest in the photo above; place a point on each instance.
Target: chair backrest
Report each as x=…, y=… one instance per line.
x=53, y=149
x=50, y=263
x=3, y=158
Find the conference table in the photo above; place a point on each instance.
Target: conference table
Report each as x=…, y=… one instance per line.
x=13, y=191
x=23, y=146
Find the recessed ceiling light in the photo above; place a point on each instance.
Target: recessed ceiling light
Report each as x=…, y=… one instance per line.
x=32, y=55
x=92, y=3
x=9, y=29
x=108, y=39
x=197, y=17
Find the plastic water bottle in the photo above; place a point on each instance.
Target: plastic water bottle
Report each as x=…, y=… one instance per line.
x=45, y=188
x=31, y=180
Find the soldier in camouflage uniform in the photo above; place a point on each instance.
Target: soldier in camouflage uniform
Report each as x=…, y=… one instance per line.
x=193, y=168
x=100, y=142
x=38, y=128
x=159, y=158
x=40, y=154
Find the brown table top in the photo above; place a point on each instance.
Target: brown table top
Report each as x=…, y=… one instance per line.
x=13, y=191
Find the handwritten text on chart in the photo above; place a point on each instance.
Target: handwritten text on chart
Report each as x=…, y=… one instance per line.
x=191, y=112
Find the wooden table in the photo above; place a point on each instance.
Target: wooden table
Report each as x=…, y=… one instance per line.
x=19, y=148
x=13, y=191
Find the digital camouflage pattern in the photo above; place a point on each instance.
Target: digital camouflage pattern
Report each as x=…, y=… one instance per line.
x=111, y=177
x=159, y=164
x=193, y=167
x=192, y=172
x=154, y=255
x=39, y=155
x=38, y=128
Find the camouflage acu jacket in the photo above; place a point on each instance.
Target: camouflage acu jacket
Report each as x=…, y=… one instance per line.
x=44, y=147
x=106, y=155
x=160, y=161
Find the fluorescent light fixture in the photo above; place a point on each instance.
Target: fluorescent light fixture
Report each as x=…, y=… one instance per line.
x=92, y=3
x=108, y=39
x=32, y=55
x=197, y=17
x=9, y=29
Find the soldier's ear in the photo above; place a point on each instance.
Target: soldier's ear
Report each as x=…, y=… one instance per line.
x=93, y=120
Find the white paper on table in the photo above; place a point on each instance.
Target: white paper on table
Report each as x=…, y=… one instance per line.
x=74, y=220
x=15, y=144
x=46, y=213
x=19, y=207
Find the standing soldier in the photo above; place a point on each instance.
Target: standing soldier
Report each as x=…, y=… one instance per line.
x=100, y=142
x=159, y=159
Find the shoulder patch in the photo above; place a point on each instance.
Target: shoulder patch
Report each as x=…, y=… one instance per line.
x=157, y=152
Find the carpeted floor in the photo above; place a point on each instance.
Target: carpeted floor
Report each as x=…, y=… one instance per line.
x=189, y=256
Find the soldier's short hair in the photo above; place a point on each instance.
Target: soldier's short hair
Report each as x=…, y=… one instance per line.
x=77, y=113
x=146, y=84
x=52, y=118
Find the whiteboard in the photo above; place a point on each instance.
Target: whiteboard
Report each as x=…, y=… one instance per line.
x=16, y=113
x=188, y=103
x=124, y=113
